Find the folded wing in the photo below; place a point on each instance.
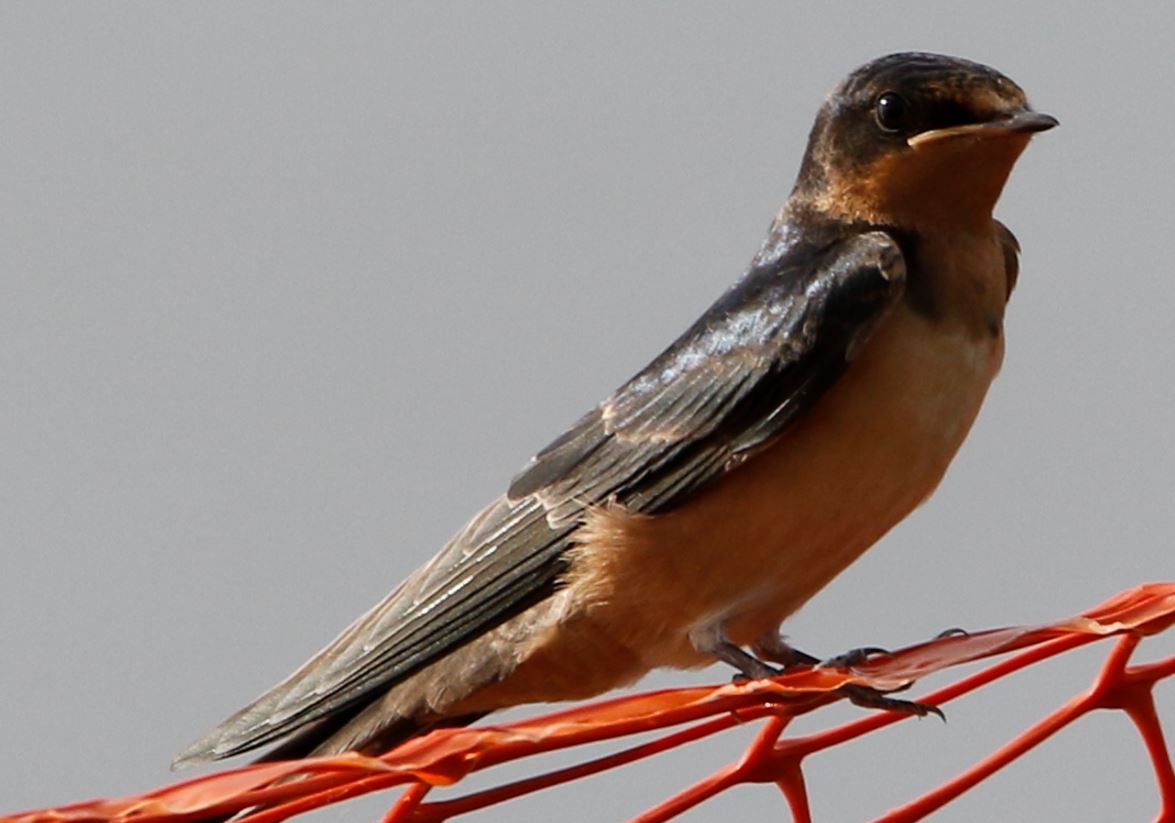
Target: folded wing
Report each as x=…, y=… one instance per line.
x=749, y=366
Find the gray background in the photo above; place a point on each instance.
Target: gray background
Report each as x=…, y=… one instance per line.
x=289, y=290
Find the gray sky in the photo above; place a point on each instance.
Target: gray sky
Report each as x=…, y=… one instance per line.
x=289, y=290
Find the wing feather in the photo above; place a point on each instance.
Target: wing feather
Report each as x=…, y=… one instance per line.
x=753, y=362
x=734, y=381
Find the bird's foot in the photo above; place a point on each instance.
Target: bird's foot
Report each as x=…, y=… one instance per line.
x=774, y=648
x=712, y=640
x=868, y=697
x=853, y=657
x=754, y=669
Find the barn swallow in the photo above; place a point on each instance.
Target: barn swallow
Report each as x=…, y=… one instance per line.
x=680, y=521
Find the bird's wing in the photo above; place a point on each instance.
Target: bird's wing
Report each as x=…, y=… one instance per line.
x=754, y=361
x=747, y=368
x=505, y=559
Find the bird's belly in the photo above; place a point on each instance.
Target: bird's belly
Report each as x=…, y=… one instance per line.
x=750, y=549
x=753, y=547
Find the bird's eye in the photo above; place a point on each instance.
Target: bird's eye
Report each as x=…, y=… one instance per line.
x=892, y=111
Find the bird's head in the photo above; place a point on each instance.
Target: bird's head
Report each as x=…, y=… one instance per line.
x=916, y=140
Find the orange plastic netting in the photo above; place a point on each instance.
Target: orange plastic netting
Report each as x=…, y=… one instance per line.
x=444, y=757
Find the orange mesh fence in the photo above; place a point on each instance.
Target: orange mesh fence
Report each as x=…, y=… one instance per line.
x=444, y=757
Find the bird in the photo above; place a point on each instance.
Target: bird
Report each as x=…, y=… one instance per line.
x=680, y=521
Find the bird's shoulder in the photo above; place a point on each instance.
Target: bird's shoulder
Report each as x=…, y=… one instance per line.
x=753, y=361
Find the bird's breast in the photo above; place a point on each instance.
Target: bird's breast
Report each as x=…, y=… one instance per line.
x=755, y=545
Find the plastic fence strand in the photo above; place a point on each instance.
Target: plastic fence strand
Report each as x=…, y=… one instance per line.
x=270, y=792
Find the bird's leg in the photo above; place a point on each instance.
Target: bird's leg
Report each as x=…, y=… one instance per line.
x=859, y=655
x=712, y=640
x=871, y=698
x=774, y=647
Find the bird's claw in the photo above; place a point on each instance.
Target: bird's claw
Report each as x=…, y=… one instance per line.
x=776, y=649
x=952, y=632
x=754, y=669
x=870, y=698
x=853, y=657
